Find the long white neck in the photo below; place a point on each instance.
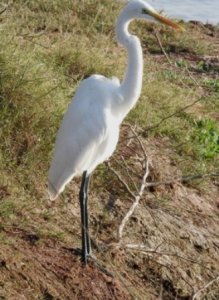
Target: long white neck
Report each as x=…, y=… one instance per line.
x=132, y=82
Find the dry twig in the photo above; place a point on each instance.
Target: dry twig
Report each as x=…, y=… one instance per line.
x=182, y=179
x=177, y=112
x=144, y=249
x=162, y=48
x=4, y=9
x=197, y=295
x=141, y=190
x=170, y=62
x=120, y=179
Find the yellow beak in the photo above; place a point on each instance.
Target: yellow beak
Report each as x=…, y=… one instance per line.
x=166, y=21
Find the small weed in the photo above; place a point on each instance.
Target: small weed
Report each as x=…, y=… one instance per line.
x=46, y=215
x=6, y=240
x=52, y=235
x=170, y=75
x=212, y=84
x=206, y=66
x=202, y=66
x=181, y=63
x=206, y=138
x=7, y=209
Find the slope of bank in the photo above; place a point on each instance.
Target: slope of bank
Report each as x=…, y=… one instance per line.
x=168, y=248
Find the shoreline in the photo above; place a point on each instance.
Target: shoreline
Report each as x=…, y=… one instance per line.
x=198, y=22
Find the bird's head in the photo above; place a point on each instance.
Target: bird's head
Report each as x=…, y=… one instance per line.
x=140, y=9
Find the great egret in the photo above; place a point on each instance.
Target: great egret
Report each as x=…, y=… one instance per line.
x=90, y=129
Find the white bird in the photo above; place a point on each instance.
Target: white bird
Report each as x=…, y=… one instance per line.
x=90, y=129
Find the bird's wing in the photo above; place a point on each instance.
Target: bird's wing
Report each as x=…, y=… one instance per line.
x=83, y=130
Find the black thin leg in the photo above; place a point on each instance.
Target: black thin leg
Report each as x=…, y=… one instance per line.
x=87, y=180
x=86, y=247
x=82, y=198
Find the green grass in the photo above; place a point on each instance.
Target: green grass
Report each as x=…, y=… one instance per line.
x=47, y=47
x=206, y=137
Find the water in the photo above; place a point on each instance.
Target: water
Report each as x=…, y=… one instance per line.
x=206, y=11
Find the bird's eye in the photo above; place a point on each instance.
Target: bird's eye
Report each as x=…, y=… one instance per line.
x=144, y=11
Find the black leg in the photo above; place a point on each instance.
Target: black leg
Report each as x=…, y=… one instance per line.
x=82, y=197
x=87, y=180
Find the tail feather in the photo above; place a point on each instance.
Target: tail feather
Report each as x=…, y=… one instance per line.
x=52, y=191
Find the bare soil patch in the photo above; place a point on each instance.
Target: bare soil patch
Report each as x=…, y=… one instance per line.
x=44, y=269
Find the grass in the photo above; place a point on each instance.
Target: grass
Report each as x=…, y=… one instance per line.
x=47, y=48
x=206, y=136
x=45, y=58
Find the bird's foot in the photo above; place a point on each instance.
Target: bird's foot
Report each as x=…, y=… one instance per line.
x=89, y=258
x=102, y=268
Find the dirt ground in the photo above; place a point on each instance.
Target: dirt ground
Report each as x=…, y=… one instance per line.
x=48, y=270
x=169, y=247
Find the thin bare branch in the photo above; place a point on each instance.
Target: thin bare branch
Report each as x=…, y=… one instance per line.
x=172, y=271
x=128, y=170
x=170, y=62
x=140, y=143
x=177, y=112
x=140, y=193
x=167, y=117
x=182, y=179
x=197, y=295
x=144, y=248
x=120, y=179
x=4, y=9
x=162, y=48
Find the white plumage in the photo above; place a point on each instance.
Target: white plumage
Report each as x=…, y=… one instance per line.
x=89, y=132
